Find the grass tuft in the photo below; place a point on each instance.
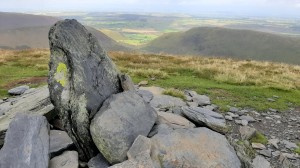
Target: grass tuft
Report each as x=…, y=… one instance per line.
x=259, y=138
x=175, y=93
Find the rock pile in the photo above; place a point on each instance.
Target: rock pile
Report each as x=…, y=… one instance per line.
x=106, y=121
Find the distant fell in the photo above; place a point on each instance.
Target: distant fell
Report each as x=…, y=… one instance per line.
x=24, y=31
x=234, y=43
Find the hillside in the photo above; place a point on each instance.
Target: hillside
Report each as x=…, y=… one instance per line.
x=241, y=44
x=22, y=31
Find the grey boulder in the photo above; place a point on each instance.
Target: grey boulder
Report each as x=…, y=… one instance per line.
x=201, y=100
x=98, y=162
x=68, y=159
x=260, y=162
x=59, y=141
x=81, y=78
x=247, y=132
x=26, y=143
x=146, y=95
x=205, y=117
x=18, y=90
x=120, y=120
x=193, y=147
x=174, y=121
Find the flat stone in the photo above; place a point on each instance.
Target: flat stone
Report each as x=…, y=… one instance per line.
x=18, y=90
x=205, y=117
x=247, y=132
x=81, y=78
x=175, y=121
x=244, y=122
x=120, y=120
x=274, y=142
x=228, y=117
x=165, y=101
x=143, y=83
x=68, y=159
x=260, y=162
x=276, y=153
x=211, y=107
x=26, y=143
x=232, y=115
x=258, y=146
x=266, y=152
x=193, y=147
x=233, y=109
x=34, y=103
x=248, y=118
x=146, y=95
x=59, y=141
x=201, y=100
x=98, y=162
x=289, y=145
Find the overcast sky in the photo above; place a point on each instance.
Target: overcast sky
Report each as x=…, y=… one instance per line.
x=242, y=7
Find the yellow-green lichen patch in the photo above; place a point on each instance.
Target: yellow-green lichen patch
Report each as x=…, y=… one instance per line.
x=61, y=74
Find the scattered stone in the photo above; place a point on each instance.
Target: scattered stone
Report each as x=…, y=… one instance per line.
x=143, y=83
x=18, y=90
x=165, y=101
x=232, y=115
x=1, y=101
x=229, y=118
x=98, y=162
x=205, y=117
x=68, y=159
x=258, y=146
x=289, y=145
x=81, y=78
x=274, y=142
x=271, y=100
x=170, y=149
x=247, y=132
x=244, y=122
x=273, y=110
x=26, y=143
x=266, y=152
x=276, y=153
x=190, y=93
x=286, y=155
x=248, y=118
x=126, y=83
x=175, y=121
x=35, y=103
x=233, y=109
x=201, y=100
x=59, y=141
x=146, y=95
x=260, y=162
x=120, y=120
x=211, y=107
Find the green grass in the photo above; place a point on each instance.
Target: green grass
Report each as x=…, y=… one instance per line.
x=259, y=138
x=298, y=149
x=137, y=38
x=175, y=93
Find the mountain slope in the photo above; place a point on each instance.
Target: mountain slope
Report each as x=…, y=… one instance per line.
x=21, y=31
x=241, y=44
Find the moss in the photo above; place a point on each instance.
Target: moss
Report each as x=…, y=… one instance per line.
x=297, y=150
x=259, y=138
x=175, y=93
x=61, y=73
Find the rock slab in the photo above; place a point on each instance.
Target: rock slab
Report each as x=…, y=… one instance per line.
x=81, y=77
x=59, y=141
x=205, y=117
x=194, y=147
x=18, y=90
x=26, y=143
x=120, y=120
x=36, y=102
x=68, y=159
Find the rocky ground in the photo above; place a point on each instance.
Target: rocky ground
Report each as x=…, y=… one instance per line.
x=93, y=116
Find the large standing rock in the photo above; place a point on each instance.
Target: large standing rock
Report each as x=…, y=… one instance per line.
x=36, y=102
x=120, y=120
x=193, y=147
x=26, y=143
x=205, y=117
x=81, y=77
